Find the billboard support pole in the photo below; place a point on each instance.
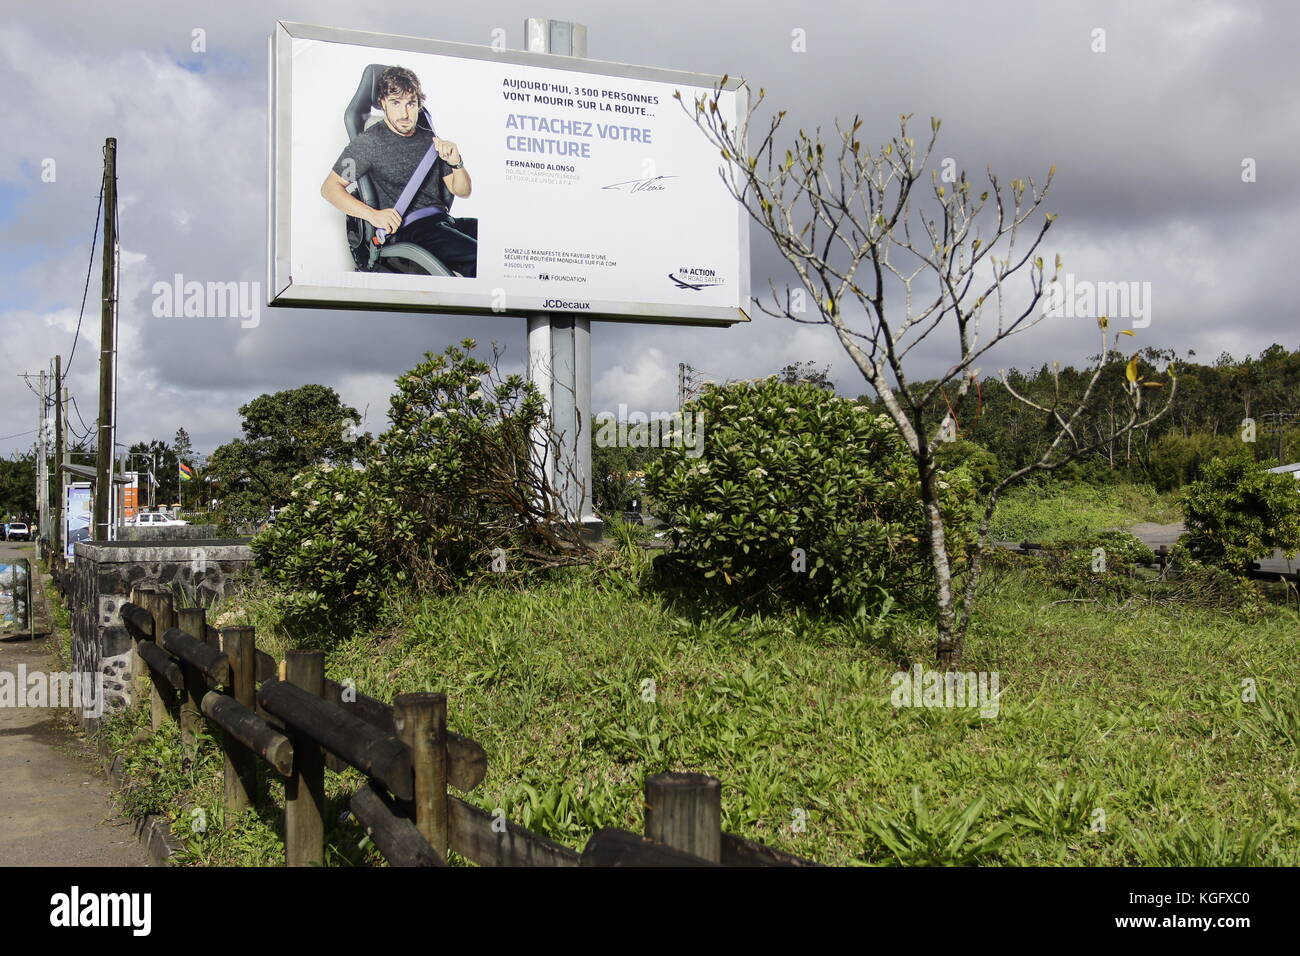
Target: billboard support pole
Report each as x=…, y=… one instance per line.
x=559, y=347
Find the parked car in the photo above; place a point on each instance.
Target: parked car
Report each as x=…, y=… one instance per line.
x=17, y=531
x=153, y=519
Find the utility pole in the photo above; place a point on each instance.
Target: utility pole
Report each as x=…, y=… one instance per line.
x=107, y=351
x=60, y=447
x=42, y=436
x=63, y=473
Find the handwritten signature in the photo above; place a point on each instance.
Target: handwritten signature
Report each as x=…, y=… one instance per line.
x=641, y=185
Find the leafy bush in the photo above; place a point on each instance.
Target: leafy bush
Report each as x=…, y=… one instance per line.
x=1239, y=512
x=1103, y=563
x=976, y=459
x=443, y=488
x=332, y=546
x=786, y=467
x=616, y=480
x=1176, y=460
x=1194, y=583
x=1093, y=470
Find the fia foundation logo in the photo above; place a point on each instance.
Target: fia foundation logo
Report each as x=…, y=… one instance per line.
x=695, y=278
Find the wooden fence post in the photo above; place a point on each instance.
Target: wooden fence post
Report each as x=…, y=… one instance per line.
x=159, y=604
x=194, y=622
x=421, y=723
x=684, y=811
x=240, y=645
x=304, y=791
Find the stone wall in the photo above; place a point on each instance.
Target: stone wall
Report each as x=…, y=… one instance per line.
x=104, y=574
x=167, y=532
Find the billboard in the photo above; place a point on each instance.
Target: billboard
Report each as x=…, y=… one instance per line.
x=131, y=496
x=76, y=520
x=490, y=181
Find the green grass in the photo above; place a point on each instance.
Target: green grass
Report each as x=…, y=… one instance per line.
x=61, y=621
x=188, y=793
x=1122, y=736
x=1122, y=739
x=1048, y=511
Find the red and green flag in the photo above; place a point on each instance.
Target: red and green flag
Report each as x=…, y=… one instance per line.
x=187, y=471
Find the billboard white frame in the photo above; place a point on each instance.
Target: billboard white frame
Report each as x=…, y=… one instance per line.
x=283, y=291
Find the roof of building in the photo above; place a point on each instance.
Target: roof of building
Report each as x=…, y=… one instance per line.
x=89, y=474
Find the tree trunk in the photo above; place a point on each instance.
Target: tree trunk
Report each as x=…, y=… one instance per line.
x=948, y=644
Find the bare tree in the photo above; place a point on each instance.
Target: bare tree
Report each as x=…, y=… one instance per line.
x=884, y=274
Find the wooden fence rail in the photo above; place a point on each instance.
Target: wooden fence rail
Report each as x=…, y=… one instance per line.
x=301, y=724
x=1254, y=570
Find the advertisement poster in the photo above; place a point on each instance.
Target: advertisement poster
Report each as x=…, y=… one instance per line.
x=15, y=596
x=555, y=184
x=77, y=520
x=131, y=497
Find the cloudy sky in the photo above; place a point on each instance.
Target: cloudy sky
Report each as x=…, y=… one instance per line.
x=1148, y=137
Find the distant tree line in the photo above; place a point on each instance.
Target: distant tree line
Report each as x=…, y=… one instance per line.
x=1208, y=418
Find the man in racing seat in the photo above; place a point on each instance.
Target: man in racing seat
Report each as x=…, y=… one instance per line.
x=389, y=152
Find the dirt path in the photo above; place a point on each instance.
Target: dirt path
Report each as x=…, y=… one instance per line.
x=55, y=808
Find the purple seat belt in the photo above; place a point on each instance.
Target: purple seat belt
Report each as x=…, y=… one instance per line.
x=413, y=186
x=424, y=212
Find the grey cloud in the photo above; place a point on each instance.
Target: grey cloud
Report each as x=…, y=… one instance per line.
x=1148, y=139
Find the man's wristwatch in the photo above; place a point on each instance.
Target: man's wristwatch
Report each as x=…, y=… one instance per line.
x=460, y=165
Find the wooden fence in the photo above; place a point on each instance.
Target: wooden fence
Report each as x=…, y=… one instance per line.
x=1254, y=570
x=301, y=724
x=1028, y=548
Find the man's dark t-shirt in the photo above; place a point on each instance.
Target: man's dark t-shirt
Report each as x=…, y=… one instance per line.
x=389, y=160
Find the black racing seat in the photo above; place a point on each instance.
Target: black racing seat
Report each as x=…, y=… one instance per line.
x=405, y=257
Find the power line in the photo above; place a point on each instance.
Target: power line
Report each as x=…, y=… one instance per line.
x=27, y=378
x=30, y=431
x=85, y=428
x=94, y=237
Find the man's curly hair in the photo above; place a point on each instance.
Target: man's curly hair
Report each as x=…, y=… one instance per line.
x=397, y=79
